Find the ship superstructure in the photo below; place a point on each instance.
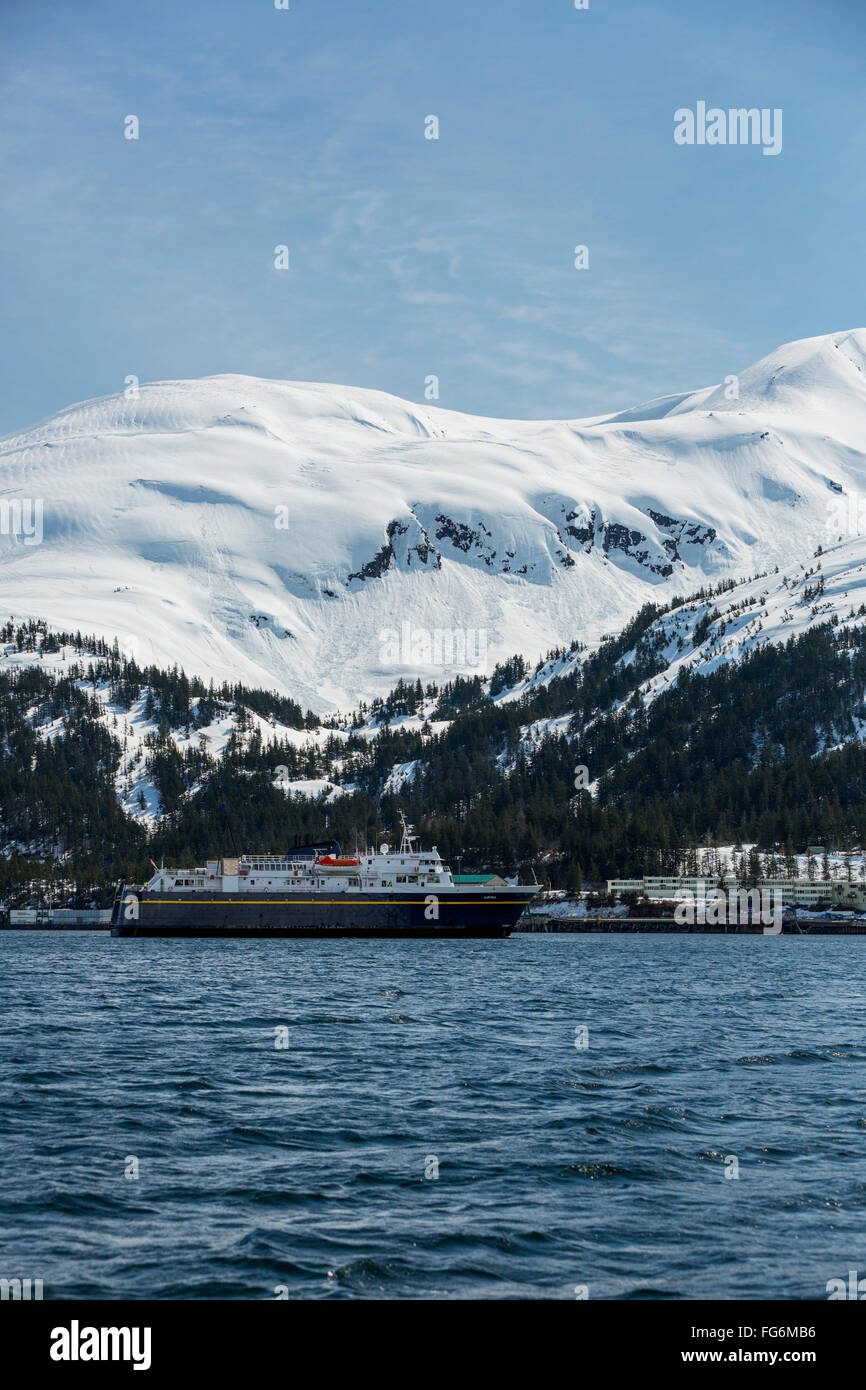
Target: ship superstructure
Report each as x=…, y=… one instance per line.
x=315, y=889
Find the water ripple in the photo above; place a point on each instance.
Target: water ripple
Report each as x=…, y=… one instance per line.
x=209, y=1119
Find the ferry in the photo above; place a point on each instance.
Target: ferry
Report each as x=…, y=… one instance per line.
x=316, y=890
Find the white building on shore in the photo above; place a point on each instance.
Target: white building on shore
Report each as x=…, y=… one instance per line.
x=796, y=892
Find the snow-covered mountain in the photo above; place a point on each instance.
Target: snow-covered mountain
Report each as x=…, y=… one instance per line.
x=703, y=634
x=324, y=541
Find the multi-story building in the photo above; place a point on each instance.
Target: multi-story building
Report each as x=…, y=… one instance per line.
x=798, y=892
x=851, y=895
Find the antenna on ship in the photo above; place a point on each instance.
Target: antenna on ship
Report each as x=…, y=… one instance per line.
x=408, y=837
x=225, y=811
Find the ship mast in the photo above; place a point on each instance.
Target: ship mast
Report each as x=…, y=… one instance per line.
x=406, y=846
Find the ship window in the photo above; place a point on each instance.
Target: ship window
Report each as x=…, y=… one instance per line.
x=401, y=878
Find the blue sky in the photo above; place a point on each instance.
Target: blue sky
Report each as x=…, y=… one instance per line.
x=413, y=257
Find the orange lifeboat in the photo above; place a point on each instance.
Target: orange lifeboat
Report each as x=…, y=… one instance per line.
x=333, y=861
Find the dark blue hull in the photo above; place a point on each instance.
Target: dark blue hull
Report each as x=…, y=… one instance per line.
x=322, y=913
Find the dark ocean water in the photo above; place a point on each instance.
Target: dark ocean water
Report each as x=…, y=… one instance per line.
x=303, y=1167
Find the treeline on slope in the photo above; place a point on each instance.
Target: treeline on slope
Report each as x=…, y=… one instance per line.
x=57, y=791
x=173, y=699
x=60, y=818
x=766, y=750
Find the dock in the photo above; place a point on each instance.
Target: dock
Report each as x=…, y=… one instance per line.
x=818, y=926
x=55, y=919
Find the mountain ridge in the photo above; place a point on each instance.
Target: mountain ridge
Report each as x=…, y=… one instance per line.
x=162, y=513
